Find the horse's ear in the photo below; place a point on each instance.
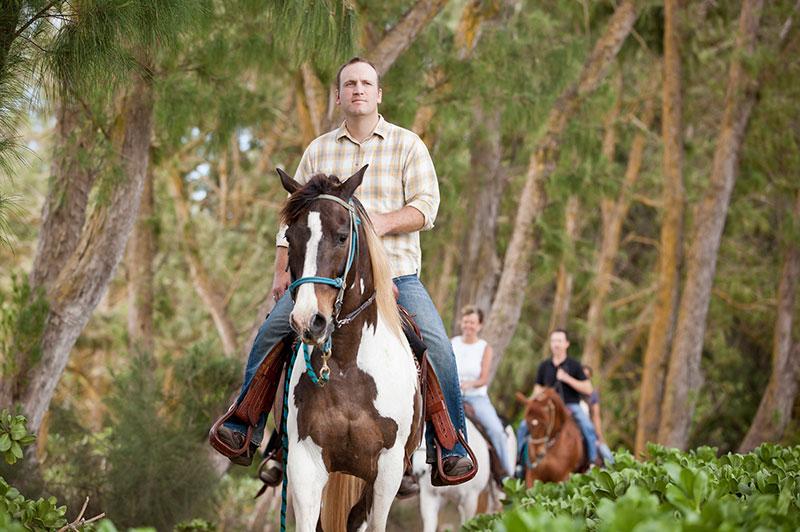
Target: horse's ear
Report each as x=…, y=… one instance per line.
x=353, y=182
x=521, y=398
x=288, y=182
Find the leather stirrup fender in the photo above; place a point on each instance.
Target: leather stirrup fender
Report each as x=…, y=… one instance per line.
x=258, y=399
x=436, y=409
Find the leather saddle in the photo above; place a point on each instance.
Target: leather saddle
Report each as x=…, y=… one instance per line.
x=261, y=394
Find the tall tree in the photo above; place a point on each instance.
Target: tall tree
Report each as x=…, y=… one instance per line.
x=613, y=213
x=666, y=302
x=139, y=260
x=566, y=276
x=775, y=409
x=510, y=295
x=83, y=279
x=684, y=377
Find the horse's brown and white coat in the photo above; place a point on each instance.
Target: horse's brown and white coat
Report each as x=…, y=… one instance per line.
x=366, y=418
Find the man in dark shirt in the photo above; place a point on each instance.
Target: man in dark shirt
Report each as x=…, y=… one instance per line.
x=566, y=376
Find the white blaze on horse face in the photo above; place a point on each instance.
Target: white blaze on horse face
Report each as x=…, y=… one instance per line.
x=306, y=304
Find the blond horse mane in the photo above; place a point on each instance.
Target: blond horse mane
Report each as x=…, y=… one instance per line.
x=381, y=276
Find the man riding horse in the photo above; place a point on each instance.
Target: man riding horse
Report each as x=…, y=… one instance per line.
x=401, y=195
x=566, y=376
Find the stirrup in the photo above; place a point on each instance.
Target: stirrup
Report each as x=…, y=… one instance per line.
x=438, y=476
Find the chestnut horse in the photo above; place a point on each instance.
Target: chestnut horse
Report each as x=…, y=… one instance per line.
x=555, y=444
x=354, y=404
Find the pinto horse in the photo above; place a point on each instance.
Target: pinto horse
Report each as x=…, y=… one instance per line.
x=467, y=495
x=354, y=403
x=555, y=444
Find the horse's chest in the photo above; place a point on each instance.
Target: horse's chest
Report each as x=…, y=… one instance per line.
x=366, y=406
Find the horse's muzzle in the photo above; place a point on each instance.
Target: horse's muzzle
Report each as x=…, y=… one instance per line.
x=315, y=331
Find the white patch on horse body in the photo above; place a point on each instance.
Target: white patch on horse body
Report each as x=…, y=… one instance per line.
x=306, y=470
x=388, y=360
x=306, y=304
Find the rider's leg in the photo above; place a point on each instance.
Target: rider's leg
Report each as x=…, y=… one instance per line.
x=587, y=429
x=274, y=328
x=522, y=438
x=487, y=415
x=416, y=300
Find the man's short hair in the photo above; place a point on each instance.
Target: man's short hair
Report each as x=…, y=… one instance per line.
x=353, y=61
x=472, y=309
x=559, y=330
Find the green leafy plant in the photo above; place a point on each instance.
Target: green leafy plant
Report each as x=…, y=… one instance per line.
x=17, y=512
x=13, y=436
x=671, y=491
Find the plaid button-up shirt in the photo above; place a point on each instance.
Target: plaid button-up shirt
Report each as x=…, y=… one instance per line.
x=400, y=173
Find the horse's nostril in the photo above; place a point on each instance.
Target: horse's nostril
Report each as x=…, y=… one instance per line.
x=318, y=323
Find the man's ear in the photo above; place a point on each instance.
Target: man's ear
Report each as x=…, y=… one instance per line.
x=380, y=95
x=353, y=182
x=338, y=101
x=288, y=182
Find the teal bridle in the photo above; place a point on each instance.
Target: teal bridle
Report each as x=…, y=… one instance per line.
x=337, y=282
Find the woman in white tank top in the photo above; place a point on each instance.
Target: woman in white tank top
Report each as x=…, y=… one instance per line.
x=474, y=361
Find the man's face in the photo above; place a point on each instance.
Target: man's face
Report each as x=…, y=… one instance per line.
x=358, y=94
x=558, y=343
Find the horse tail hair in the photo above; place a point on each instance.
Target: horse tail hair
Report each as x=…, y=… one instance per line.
x=341, y=493
x=382, y=278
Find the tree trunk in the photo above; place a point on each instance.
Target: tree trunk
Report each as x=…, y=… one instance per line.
x=314, y=97
x=140, y=257
x=480, y=264
x=565, y=276
x=84, y=278
x=683, y=378
x=614, y=214
x=402, y=35
x=775, y=409
x=666, y=302
x=64, y=210
x=63, y=216
x=507, y=305
x=204, y=285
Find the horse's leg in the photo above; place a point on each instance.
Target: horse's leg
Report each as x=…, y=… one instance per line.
x=307, y=477
x=429, y=503
x=468, y=504
x=387, y=482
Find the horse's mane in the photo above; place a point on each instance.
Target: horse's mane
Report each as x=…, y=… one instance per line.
x=298, y=203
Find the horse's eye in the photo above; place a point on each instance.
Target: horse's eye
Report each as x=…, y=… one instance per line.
x=341, y=238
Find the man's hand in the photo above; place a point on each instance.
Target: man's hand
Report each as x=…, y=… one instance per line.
x=282, y=276
x=563, y=376
x=280, y=284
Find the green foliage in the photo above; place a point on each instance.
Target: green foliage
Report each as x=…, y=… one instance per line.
x=23, y=313
x=671, y=491
x=158, y=472
x=17, y=512
x=13, y=436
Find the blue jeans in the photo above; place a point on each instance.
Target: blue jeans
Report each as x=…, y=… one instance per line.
x=416, y=300
x=584, y=423
x=587, y=429
x=487, y=416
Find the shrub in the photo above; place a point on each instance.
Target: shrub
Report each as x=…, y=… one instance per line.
x=671, y=491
